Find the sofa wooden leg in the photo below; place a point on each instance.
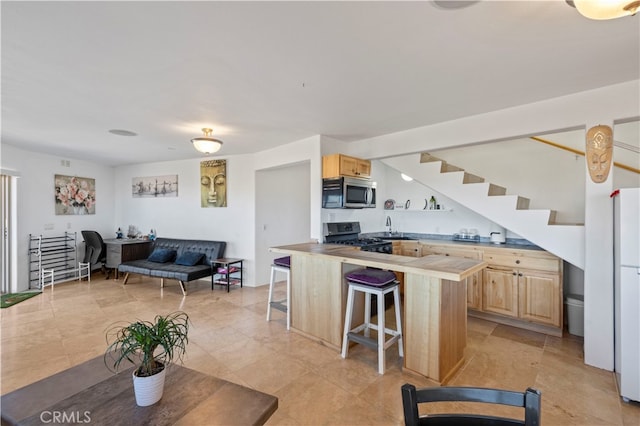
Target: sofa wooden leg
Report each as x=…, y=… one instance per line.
x=184, y=290
x=126, y=277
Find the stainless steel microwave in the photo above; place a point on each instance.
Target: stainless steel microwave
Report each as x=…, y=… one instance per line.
x=348, y=193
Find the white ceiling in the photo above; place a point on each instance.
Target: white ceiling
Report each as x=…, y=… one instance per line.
x=262, y=74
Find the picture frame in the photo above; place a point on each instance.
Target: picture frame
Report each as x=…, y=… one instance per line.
x=162, y=186
x=74, y=195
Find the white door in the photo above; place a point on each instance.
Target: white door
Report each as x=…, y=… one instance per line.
x=8, y=246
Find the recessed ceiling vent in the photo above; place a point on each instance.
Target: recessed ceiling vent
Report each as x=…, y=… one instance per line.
x=121, y=132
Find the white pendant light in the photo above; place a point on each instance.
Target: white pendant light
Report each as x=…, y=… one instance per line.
x=606, y=9
x=206, y=143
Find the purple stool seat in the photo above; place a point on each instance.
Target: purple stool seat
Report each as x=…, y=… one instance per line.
x=372, y=277
x=282, y=265
x=285, y=262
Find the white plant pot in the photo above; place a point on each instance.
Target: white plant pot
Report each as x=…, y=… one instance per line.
x=149, y=390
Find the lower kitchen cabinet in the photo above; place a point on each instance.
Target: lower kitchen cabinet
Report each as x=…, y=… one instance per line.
x=533, y=279
x=411, y=248
x=529, y=295
x=474, y=291
x=540, y=299
x=520, y=287
x=500, y=293
x=473, y=282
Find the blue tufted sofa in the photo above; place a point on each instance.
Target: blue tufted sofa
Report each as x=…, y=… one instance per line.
x=165, y=267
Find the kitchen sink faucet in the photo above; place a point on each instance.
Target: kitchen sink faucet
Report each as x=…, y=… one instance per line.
x=388, y=224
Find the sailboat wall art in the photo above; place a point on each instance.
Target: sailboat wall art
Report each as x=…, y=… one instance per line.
x=155, y=186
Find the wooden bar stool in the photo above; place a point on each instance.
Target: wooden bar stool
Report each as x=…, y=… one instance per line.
x=282, y=264
x=379, y=283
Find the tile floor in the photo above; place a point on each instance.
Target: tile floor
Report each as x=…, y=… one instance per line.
x=231, y=339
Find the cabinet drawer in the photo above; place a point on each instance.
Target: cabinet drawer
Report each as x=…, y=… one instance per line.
x=467, y=254
x=529, y=262
x=114, y=254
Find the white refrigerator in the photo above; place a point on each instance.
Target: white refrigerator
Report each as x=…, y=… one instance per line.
x=626, y=205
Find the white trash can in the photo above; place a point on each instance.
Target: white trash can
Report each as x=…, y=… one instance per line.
x=574, y=304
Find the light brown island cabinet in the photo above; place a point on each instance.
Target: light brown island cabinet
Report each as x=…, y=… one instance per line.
x=434, y=324
x=419, y=249
x=473, y=282
x=337, y=165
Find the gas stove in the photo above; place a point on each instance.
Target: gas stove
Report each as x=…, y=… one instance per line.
x=348, y=233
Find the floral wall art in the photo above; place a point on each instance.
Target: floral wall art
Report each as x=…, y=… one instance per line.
x=75, y=195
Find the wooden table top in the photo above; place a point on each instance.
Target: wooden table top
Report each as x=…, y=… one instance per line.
x=189, y=398
x=123, y=241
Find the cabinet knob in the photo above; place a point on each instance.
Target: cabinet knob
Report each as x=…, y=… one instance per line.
x=517, y=262
x=514, y=274
x=520, y=274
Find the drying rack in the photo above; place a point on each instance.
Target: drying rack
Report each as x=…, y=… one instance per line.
x=53, y=260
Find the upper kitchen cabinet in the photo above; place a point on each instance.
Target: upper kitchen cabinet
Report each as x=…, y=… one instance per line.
x=336, y=165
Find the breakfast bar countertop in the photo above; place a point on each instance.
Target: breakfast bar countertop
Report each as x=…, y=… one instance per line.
x=444, y=267
x=435, y=299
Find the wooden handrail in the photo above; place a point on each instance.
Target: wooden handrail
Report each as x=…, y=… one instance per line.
x=578, y=152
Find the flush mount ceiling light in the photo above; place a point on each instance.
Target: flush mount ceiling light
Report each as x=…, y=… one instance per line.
x=206, y=143
x=605, y=9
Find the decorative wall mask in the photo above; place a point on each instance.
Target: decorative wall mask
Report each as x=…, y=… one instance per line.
x=599, y=152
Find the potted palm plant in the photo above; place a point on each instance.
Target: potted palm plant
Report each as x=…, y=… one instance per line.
x=151, y=346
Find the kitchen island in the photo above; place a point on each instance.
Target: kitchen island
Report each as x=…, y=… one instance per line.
x=435, y=307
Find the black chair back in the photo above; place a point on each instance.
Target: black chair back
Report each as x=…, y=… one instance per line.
x=412, y=397
x=95, y=250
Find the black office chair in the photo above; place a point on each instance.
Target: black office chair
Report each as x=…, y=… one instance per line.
x=95, y=250
x=411, y=397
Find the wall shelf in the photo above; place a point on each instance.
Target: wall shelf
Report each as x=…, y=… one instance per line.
x=419, y=210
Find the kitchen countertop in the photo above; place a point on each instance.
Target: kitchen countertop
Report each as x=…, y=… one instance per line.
x=512, y=243
x=444, y=267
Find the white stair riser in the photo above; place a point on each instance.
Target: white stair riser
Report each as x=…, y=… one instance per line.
x=509, y=211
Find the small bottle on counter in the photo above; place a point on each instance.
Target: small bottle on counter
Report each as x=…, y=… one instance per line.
x=119, y=234
x=152, y=234
x=432, y=203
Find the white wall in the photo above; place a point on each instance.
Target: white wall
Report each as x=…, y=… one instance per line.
x=282, y=212
x=391, y=186
x=36, y=201
x=237, y=224
x=182, y=216
x=558, y=174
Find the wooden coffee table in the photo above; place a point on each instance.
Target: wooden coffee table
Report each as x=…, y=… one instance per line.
x=89, y=393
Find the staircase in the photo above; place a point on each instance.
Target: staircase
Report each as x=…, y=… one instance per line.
x=491, y=201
